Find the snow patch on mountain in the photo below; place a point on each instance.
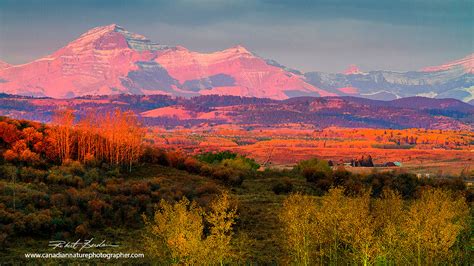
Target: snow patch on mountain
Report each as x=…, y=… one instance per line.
x=469, y=98
x=430, y=94
x=381, y=95
x=138, y=42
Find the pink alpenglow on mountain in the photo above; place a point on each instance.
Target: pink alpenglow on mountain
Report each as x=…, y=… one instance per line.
x=110, y=60
x=467, y=63
x=352, y=70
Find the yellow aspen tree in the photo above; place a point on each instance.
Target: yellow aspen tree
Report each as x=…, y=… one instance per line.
x=434, y=221
x=176, y=233
x=297, y=218
x=334, y=223
x=221, y=218
x=360, y=234
x=389, y=216
x=318, y=236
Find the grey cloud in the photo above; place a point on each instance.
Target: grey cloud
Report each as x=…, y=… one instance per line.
x=322, y=35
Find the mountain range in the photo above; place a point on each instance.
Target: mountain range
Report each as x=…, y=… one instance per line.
x=451, y=80
x=111, y=60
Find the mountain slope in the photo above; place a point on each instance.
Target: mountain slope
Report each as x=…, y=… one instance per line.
x=111, y=60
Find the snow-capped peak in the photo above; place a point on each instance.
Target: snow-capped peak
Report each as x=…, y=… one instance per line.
x=97, y=31
x=111, y=37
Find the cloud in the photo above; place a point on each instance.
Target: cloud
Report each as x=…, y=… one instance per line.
x=323, y=46
x=305, y=34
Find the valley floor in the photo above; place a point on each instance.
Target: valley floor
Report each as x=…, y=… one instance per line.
x=432, y=152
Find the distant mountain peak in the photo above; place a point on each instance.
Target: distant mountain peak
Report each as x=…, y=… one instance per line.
x=467, y=63
x=352, y=70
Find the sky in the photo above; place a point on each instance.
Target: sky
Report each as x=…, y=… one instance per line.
x=308, y=35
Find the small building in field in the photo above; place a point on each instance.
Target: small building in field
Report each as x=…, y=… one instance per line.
x=393, y=164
